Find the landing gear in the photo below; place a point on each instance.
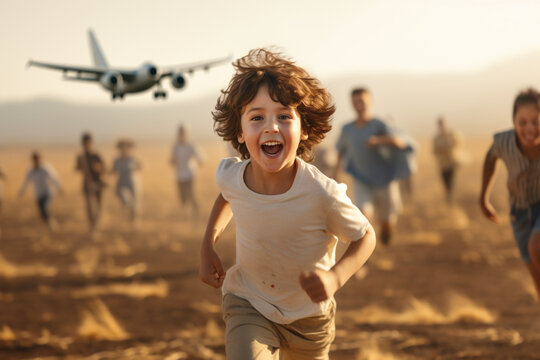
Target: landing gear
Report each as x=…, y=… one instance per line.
x=117, y=96
x=160, y=93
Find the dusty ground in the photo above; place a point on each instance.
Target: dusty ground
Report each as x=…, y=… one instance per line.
x=450, y=286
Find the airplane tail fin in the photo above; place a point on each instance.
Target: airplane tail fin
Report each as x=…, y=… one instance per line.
x=97, y=54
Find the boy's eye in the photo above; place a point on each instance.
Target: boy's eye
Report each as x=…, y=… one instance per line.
x=256, y=118
x=285, y=117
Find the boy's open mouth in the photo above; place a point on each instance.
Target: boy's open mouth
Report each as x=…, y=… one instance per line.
x=271, y=147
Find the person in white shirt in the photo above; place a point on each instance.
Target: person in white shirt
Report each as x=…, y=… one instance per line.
x=186, y=158
x=45, y=181
x=127, y=183
x=278, y=299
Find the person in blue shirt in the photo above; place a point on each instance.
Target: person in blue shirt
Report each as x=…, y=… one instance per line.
x=376, y=158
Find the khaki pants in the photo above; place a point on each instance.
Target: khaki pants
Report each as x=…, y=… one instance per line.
x=383, y=202
x=249, y=335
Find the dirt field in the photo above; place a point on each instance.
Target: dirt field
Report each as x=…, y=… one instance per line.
x=451, y=286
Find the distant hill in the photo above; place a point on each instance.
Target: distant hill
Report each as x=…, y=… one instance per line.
x=53, y=121
x=476, y=103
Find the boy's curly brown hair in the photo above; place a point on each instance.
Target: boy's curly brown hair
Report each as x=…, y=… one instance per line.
x=288, y=84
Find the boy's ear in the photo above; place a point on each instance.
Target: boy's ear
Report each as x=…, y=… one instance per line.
x=304, y=135
x=240, y=138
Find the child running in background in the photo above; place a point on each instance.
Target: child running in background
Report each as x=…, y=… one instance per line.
x=519, y=149
x=45, y=180
x=127, y=184
x=446, y=144
x=92, y=168
x=278, y=297
x=185, y=157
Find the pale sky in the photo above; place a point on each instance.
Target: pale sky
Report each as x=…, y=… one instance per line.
x=325, y=37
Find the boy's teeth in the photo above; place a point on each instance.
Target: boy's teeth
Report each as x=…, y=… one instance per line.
x=271, y=147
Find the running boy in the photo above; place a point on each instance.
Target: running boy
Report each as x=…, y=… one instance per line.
x=519, y=149
x=45, y=180
x=278, y=297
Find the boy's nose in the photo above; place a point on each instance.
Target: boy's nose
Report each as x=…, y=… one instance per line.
x=272, y=126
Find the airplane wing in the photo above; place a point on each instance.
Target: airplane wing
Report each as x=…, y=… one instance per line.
x=91, y=73
x=191, y=67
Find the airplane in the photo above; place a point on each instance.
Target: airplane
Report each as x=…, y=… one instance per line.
x=124, y=81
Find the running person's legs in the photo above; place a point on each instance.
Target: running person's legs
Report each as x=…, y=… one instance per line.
x=309, y=338
x=93, y=207
x=526, y=228
x=43, y=206
x=187, y=196
x=448, y=180
x=248, y=334
x=363, y=198
x=388, y=205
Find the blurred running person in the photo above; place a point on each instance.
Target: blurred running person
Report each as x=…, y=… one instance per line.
x=368, y=148
x=186, y=158
x=45, y=181
x=519, y=149
x=90, y=164
x=127, y=183
x=445, y=148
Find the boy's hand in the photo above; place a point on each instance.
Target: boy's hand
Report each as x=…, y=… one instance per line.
x=373, y=141
x=320, y=285
x=489, y=211
x=211, y=271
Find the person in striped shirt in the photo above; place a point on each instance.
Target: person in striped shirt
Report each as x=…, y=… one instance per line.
x=519, y=149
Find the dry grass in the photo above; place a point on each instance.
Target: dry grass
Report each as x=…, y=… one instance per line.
x=98, y=323
x=11, y=270
x=460, y=309
x=159, y=289
x=394, y=308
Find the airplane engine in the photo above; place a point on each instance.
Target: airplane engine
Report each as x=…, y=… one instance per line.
x=112, y=80
x=178, y=80
x=148, y=72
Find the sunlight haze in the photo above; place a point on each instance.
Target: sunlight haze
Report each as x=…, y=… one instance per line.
x=328, y=38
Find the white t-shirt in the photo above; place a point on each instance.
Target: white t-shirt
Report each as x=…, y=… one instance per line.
x=42, y=178
x=279, y=236
x=184, y=157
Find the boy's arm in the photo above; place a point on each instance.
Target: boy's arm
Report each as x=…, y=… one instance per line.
x=25, y=183
x=211, y=270
x=490, y=164
x=321, y=285
x=393, y=140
